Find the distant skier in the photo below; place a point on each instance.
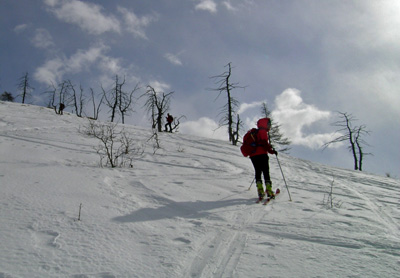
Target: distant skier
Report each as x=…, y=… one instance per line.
x=61, y=110
x=170, y=119
x=258, y=152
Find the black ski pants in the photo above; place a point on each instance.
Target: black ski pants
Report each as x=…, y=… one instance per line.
x=261, y=166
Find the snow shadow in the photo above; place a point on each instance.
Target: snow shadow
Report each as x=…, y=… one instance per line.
x=197, y=209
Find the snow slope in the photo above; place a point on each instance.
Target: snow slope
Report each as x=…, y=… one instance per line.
x=182, y=212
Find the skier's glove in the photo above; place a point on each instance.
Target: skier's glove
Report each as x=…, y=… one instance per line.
x=275, y=152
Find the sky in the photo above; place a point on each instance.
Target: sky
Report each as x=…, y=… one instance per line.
x=306, y=59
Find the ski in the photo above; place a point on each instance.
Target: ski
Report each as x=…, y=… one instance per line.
x=269, y=198
x=259, y=200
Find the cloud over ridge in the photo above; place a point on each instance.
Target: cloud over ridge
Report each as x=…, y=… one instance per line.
x=294, y=115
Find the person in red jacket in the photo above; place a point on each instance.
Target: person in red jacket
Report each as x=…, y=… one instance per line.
x=170, y=119
x=260, y=158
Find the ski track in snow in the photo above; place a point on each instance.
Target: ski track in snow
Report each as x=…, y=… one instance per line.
x=183, y=212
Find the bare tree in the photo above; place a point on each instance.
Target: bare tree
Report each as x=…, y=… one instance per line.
x=118, y=100
x=59, y=96
x=157, y=104
x=354, y=137
x=78, y=99
x=24, y=87
x=96, y=108
x=229, y=110
x=275, y=135
x=112, y=98
x=125, y=101
x=360, y=131
x=235, y=134
x=52, y=96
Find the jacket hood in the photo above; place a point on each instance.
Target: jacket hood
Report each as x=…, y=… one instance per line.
x=264, y=123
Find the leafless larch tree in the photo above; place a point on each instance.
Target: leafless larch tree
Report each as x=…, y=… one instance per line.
x=157, y=104
x=229, y=110
x=354, y=137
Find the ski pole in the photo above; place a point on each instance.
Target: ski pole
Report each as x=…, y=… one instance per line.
x=251, y=184
x=290, y=198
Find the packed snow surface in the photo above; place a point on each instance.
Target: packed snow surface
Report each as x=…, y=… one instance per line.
x=183, y=210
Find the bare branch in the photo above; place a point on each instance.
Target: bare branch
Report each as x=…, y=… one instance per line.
x=351, y=134
x=228, y=111
x=157, y=104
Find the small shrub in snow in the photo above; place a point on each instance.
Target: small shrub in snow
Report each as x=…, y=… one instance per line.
x=328, y=201
x=116, y=148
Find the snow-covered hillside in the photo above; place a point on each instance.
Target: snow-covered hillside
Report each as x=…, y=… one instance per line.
x=183, y=212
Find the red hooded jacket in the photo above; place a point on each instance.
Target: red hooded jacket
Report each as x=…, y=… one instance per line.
x=263, y=145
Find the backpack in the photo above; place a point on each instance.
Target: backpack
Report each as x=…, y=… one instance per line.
x=249, y=145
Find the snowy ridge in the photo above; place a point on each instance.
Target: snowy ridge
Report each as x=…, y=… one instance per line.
x=183, y=212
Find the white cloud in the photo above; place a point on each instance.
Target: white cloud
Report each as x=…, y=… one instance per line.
x=92, y=19
x=111, y=66
x=245, y=106
x=204, y=127
x=229, y=6
x=82, y=59
x=87, y=16
x=207, y=5
x=294, y=115
x=250, y=122
x=42, y=39
x=54, y=70
x=160, y=87
x=20, y=28
x=51, y=72
x=173, y=59
x=135, y=24
x=93, y=60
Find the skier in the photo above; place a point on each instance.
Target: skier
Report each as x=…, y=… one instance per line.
x=260, y=158
x=61, y=110
x=170, y=119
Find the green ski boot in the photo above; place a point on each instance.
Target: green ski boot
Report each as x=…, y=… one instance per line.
x=260, y=190
x=269, y=191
